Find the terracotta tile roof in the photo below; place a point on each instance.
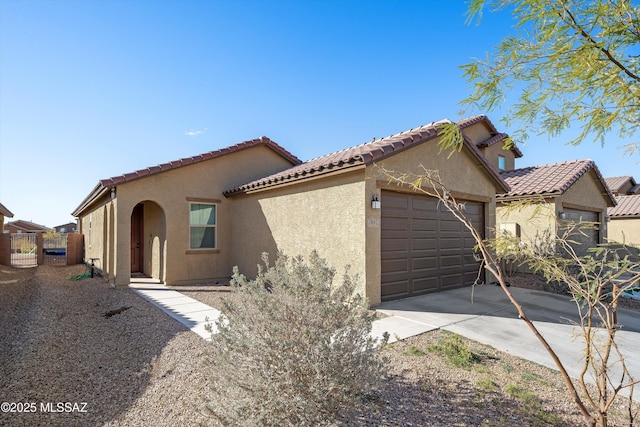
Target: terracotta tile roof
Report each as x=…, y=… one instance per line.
x=550, y=180
x=497, y=136
x=27, y=226
x=104, y=184
x=358, y=156
x=617, y=182
x=6, y=212
x=628, y=206
x=199, y=158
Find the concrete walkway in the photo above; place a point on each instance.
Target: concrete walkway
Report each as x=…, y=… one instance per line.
x=191, y=313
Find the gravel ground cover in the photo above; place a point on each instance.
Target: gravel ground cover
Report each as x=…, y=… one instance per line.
x=83, y=342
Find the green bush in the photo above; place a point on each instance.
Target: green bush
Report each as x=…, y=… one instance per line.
x=292, y=349
x=456, y=351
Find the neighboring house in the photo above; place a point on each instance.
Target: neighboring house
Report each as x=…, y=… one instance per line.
x=21, y=226
x=193, y=220
x=70, y=227
x=624, y=226
x=564, y=192
x=623, y=185
x=4, y=213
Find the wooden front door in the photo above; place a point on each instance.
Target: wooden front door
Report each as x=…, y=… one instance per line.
x=136, y=238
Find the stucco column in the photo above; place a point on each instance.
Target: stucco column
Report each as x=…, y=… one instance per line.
x=372, y=240
x=122, y=236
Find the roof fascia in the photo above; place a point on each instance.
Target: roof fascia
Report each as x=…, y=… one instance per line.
x=97, y=192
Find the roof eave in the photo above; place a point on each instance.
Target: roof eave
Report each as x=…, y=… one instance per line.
x=271, y=185
x=97, y=192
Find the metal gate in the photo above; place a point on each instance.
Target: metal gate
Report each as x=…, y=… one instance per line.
x=54, y=246
x=24, y=250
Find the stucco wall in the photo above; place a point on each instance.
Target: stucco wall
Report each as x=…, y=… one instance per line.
x=494, y=151
x=93, y=226
x=334, y=215
x=534, y=219
x=166, y=197
x=625, y=230
x=324, y=214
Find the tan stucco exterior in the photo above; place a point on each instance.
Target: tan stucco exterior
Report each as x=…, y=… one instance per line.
x=333, y=214
x=540, y=217
x=166, y=196
x=478, y=133
x=330, y=212
x=625, y=230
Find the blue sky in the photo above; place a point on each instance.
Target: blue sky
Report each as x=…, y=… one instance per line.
x=93, y=89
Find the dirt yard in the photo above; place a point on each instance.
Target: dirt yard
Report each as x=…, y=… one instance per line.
x=82, y=353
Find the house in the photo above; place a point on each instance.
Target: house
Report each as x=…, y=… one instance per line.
x=624, y=226
x=22, y=226
x=171, y=221
x=4, y=213
x=623, y=185
x=70, y=227
x=562, y=192
x=194, y=219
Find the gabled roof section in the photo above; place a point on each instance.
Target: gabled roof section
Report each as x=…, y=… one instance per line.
x=263, y=140
x=616, y=184
x=551, y=180
x=6, y=212
x=104, y=184
x=360, y=156
x=27, y=226
x=628, y=206
x=496, y=136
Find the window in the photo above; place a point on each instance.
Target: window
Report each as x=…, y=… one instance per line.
x=202, y=225
x=501, y=163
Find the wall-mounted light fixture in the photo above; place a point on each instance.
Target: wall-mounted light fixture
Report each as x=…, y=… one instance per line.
x=113, y=193
x=375, y=203
x=562, y=215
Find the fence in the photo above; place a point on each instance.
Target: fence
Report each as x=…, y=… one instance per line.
x=54, y=247
x=32, y=249
x=24, y=249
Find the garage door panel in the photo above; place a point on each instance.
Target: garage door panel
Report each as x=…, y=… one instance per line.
x=450, y=225
x=423, y=244
x=395, y=265
x=424, y=263
x=424, y=284
x=451, y=261
x=395, y=224
x=437, y=247
x=397, y=289
x=426, y=224
x=424, y=204
x=395, y=244
x=589, y=238
x=449, y=242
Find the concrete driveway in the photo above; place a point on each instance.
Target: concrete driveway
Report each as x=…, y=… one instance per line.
x=487, y=316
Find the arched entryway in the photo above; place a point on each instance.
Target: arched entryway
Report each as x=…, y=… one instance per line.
x=148, y=240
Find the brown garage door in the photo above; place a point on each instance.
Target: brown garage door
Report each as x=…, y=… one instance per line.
x=588, y=237
x=424, y=248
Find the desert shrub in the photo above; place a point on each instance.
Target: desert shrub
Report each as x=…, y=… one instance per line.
x=456, y=351
x=293, y=349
